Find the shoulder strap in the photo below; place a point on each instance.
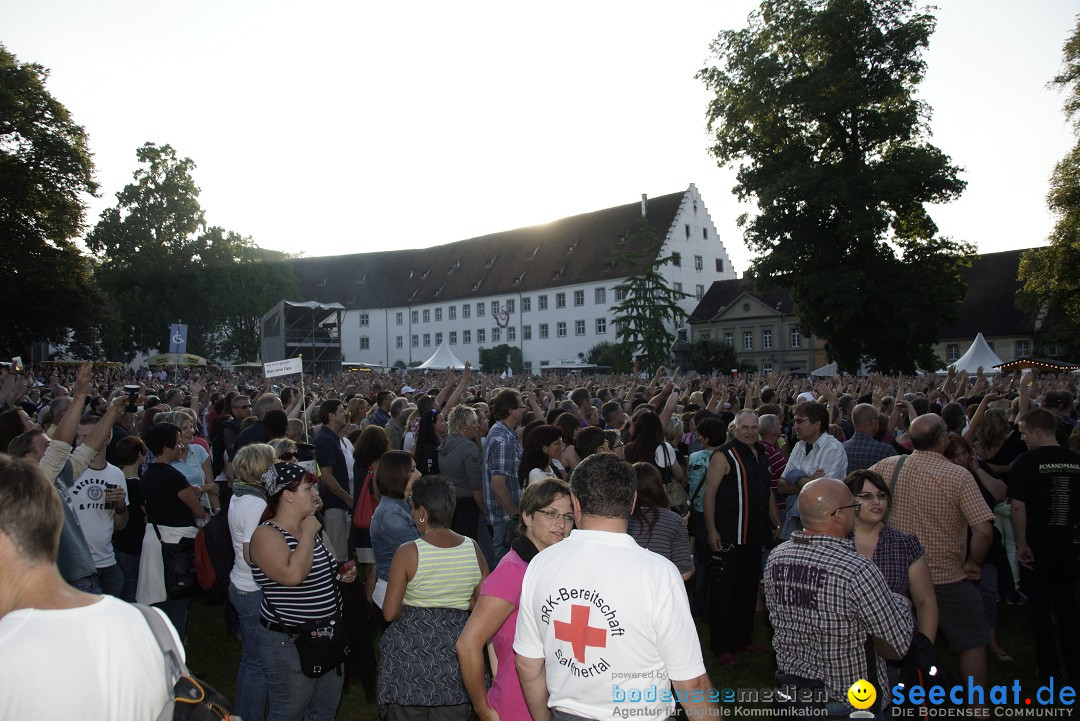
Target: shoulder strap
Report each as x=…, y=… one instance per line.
x=892, y=483
x=174, y=663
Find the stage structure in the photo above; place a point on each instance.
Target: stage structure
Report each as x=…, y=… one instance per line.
x=309, y=329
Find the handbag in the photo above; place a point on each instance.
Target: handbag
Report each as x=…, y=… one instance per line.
x=365, y=502
x=678, y=500
x=323, y=644
x=191, y=699
x=181, y=575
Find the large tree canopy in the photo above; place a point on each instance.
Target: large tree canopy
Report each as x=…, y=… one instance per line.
x=814, y=103
x=160, y=264
x=1049, y=274
x=45, y=172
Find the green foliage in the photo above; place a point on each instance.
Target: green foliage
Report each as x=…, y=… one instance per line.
x=648, y=306
x=611, y=355
x=814, y=104
x=45, y=169
x=160, y=264
x=500, y=358
x=1049, y=274
x=710, y=354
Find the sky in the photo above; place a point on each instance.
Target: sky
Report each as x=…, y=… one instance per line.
x=342, y=127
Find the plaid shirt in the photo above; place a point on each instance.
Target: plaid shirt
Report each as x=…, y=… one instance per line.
x=502, y=454
x=894, y=553
x=825, y=601
x=935, y=500
x=863, y=451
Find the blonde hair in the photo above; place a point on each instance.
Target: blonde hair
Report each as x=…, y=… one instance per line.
x=252, y=461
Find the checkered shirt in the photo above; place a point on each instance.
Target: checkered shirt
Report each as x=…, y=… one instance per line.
x=502, y=454
x=863, y=451
x=825, y=601
x=936, y=500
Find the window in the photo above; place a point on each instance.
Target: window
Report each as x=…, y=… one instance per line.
x=678, y=287
x=427, y=315
x=509, y=305
x=543, y=330
x=796, y=339
x=719, y=265
x=601, y=326
x=526, y=304
x=466, y=310
x=766, y=339
x=438, y=314
x=748, y=340
x=579, y=327
x=364, y=320
x=365, y=343
x=528, y=367
x=414, y=316
x=1053, y=348
x=427, y=339
x=438, y=338
x=952, y=351
x=451, y=313
x=560, y=300
x=601, y=296
x=479, y=312
x=1021, y=349
x=453, y=337
x=705, y=233
x=479, y=335
x=579, y=297
x=699, y=291
x=676, y=260
x=729, y=338
x=687, y=226
x=496, y=335
x=526, y=332
x=620, y=294
x=766, y=368
x=541, y=302
x=399, y=342
x=560, y=329
x=494, y=308
x=466, y=336
x=415, y=341
x=511, y=333
x=698, y=263
x=400, y=317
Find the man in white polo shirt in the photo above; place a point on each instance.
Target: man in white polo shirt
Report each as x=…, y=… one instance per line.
x=589, y=644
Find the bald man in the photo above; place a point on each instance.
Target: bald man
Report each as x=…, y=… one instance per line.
x=861, y=448
x=826, y=601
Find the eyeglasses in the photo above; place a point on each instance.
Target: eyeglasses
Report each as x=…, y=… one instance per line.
x=854, y=506
x=867, y=497
x=555, y=515
x=288, y=456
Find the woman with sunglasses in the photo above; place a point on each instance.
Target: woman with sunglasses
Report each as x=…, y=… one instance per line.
x=546, y=518
x=898, y=555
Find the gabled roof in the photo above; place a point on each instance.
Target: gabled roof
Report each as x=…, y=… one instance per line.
x=990, y=305
x=723, y=293
x=569, y=251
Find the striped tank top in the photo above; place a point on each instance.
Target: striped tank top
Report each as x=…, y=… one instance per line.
x=313, y=599
x=445, y=577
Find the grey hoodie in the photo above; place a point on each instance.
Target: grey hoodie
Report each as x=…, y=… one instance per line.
x=459, y=460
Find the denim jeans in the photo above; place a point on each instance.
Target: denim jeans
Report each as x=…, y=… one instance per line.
x=112, y=580
x=88, y=584
x=292, y=695
x=250, y=678
x=176, y=610
x=498, y=535
x=129, y=565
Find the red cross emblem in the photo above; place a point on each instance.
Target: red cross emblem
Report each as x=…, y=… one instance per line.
x=579, y=633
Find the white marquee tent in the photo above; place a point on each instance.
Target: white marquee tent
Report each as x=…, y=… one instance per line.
x=978, y=354
x=443, y=358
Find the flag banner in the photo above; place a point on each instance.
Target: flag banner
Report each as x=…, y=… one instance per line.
x=283, y=368
x=178, y=338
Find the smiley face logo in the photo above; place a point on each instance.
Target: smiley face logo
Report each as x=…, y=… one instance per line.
x=862, y=694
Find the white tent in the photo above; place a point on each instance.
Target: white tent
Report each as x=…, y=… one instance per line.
x=978, y=354
x=443, y=358
x=825, y=371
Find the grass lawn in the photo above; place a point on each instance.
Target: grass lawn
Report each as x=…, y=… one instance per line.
x=213, y=656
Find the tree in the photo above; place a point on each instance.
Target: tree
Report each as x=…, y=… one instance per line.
x=1049, y=274
x=710, y=354
x=45, y=170
x=160, y=263
x=501, y=358
x=813, y=101
x=648, y=306
x=611, y=355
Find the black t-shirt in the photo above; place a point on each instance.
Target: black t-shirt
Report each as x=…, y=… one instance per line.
x=160, y=485
x=129, y=539
x=328, y=453
x=1047, y=480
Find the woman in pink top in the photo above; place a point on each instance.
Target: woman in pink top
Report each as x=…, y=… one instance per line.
x=546, y=518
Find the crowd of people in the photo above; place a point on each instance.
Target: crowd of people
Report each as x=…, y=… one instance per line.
x=861, y=512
